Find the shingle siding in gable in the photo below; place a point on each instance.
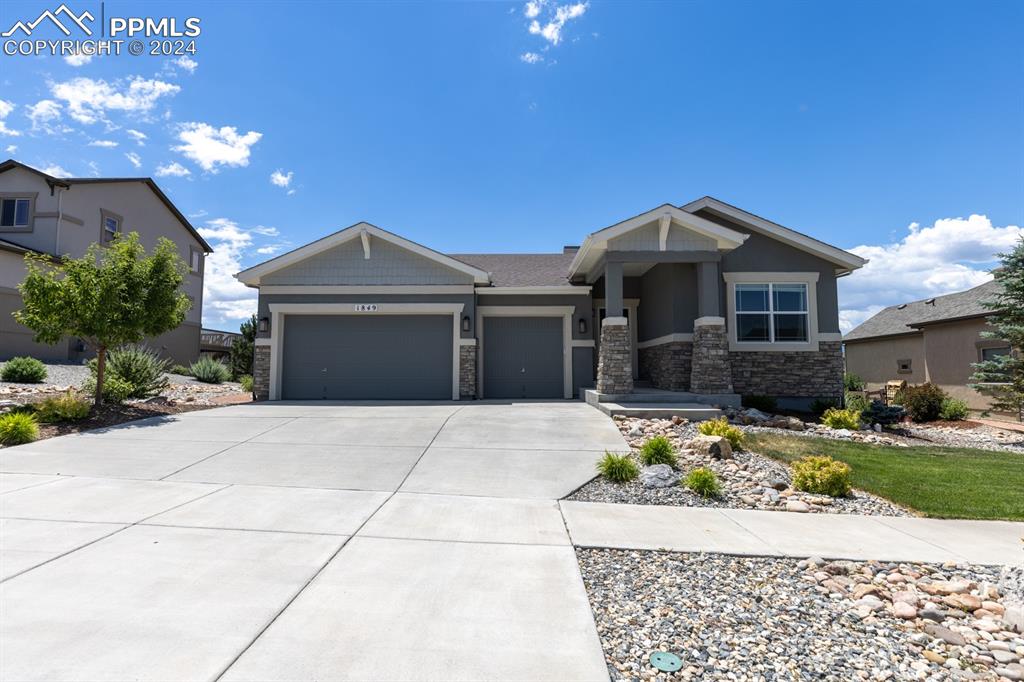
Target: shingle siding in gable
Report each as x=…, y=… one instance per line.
x=388, y=265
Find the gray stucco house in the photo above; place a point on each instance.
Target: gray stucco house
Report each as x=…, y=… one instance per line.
x=704, y=298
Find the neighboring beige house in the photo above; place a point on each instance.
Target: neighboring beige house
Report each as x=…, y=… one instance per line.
x=57, y=216
x=935, y=339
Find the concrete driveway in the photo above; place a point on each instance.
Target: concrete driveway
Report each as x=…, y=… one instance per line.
x=302, y=541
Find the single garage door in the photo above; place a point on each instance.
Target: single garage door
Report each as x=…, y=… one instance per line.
x=523, y=357
x=367, y=357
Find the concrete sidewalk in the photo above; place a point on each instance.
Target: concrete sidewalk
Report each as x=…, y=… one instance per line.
x=765, y=533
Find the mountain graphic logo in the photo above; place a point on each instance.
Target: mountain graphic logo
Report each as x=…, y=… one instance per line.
x=78, y=20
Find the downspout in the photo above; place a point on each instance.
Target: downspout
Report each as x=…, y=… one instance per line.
x=60, y=219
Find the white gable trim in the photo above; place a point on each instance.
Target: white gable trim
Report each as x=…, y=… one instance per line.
x=842, y=258
x=363, y=231
x=666, y=214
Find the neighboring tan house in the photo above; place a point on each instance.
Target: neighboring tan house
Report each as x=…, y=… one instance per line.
x=704, y=298
x=934, y=340
x=63, y=216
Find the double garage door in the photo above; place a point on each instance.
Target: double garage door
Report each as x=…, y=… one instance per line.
x=367, y=357
x=409, y=357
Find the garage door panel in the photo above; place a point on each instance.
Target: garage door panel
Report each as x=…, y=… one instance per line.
x=523, y=357
x=367, y=357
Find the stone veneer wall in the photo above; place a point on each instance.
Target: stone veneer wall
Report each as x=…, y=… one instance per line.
x=615, y=360
x=261, y=372
x=710, y=367
x=467, y=371
x=798, y=374
x=667, y=365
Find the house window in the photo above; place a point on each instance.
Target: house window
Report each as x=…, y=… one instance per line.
x=993, y=353
x=195, y=260
x=904, y=367
x=110, y=224
x=772, y=313
x=15, y=213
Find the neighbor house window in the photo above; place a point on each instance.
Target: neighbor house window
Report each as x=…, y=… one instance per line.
x=15, y=213
x=111, y=226
x=904, y=367
x=772, y=313
x=993, y=353
x=195, y=260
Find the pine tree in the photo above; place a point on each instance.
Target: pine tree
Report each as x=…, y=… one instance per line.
x=1002, y=378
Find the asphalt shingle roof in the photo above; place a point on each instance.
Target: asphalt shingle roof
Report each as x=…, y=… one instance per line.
x=898, y=319
x=521, y=269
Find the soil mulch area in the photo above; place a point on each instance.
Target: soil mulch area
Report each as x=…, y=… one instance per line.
x=112, y=415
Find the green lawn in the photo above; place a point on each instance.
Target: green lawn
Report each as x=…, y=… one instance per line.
x=936, y=481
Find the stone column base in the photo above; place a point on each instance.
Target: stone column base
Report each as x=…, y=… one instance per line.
x=467, y=372
x=261, y=372
x=711, y=371
x=615, y=358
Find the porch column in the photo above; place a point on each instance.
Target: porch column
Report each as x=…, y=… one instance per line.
x=708, y=290
x=615, y=359
x=710, y=368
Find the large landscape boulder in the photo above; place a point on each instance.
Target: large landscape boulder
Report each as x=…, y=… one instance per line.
x=658, y=476
x=715, y=446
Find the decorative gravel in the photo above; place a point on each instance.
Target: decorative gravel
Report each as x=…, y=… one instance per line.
x=733, y=618
x=62, y=376
x=749, y=480
x=980, y=436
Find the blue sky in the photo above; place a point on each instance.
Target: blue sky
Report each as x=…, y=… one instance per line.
x=458, y=126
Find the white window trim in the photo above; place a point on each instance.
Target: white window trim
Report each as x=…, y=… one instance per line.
x=565, y=312
x=30, y=197
x=808, y=278
x=279, y=311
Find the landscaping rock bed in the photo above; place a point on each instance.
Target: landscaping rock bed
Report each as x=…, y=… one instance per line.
x=749, y=480
x=742, y=618
x=968, y=435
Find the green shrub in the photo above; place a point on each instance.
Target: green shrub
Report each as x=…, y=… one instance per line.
x=834, y=418
x=17, y=428
x=23, y=371
x=880, y=413
x=617, y=468
x=658, y=450
x=857, y=401
x=765, y=403
x=953, y=409
x=68, y=407
x=115, y=389
x=704, y=482
x=923, y=403
x=246, y=381
x=210, y=371
x=821, y=476
x=138, y=366
x=721, y=427
x=852, y=382
x=820, y=405
x=180, y=369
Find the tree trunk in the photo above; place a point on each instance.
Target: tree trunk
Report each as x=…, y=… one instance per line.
x=101, y=364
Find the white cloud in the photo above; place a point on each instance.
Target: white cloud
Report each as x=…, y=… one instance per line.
x=5, y=109
x=187, y=63
x=212, y=147
x=56, y=171
x=138, y=136
x=78, y=59
x=94, y=169
x=551, y=30
x=12, y=149
x=531, y=57
x=952, y=255
x=89, y=100
x=281, y=179
x=224, y=297
x=266, y=231
x=269, y=250
x=134, y=158
x=109, y=144
x=45, y=116
x=173, y=169
x=532, y=9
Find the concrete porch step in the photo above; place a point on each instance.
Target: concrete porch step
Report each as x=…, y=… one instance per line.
x=641, y=410
x=654, y=396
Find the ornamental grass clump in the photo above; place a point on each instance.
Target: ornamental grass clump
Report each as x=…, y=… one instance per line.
x=23, y=370
x=834, y=418
x=822, y=475
x=721, y=427
x=618, y=468
x=246, y=381
x=704, y=482
x=658, y=450
x=17, y=428
x=138, y=366
x=65, y=408
x=210, y=371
